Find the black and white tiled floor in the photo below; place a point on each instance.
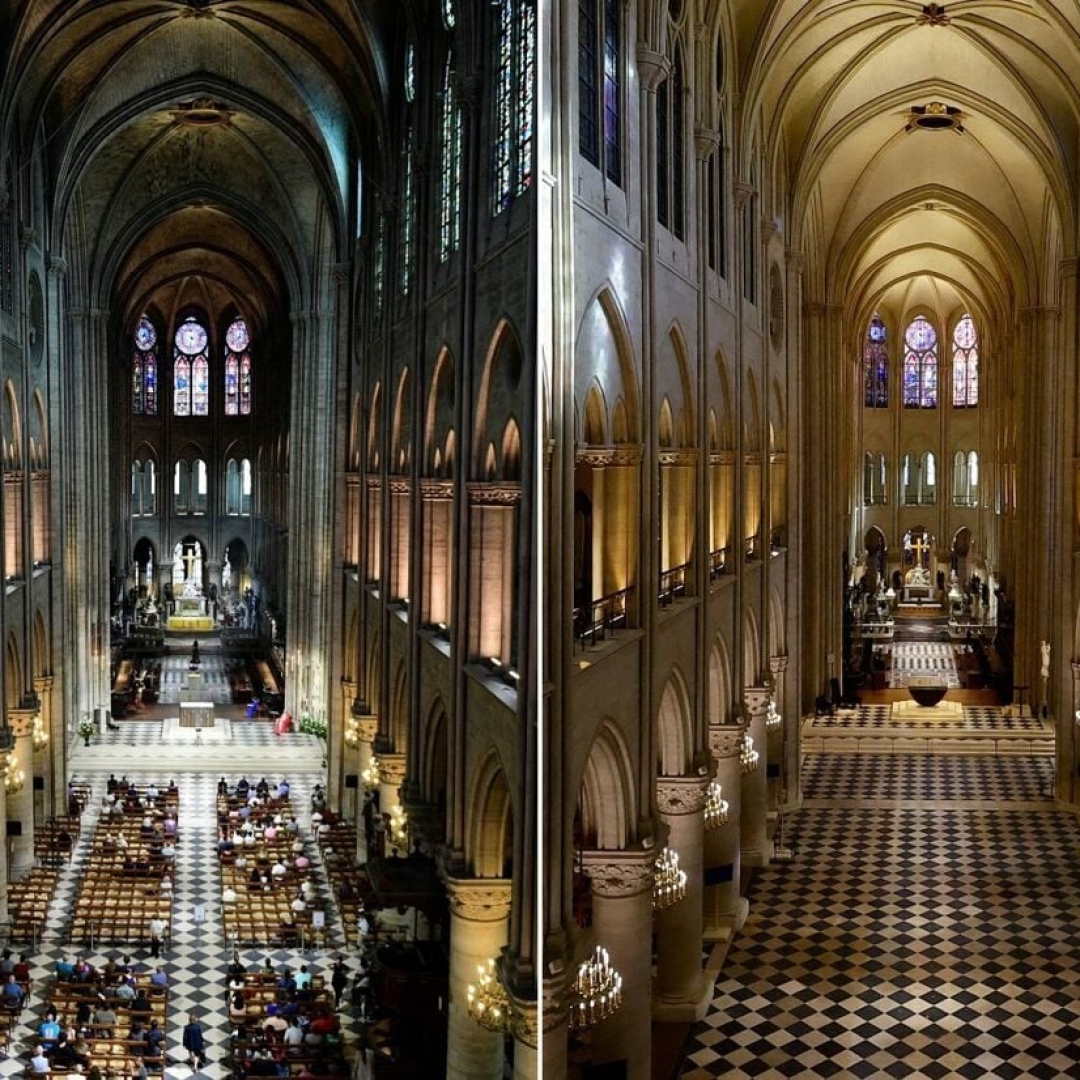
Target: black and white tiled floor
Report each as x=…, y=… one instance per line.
x=986, y=718
x=922, y=658
x=199, y=953
x=905, y=943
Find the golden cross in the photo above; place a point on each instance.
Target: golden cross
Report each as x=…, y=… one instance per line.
x=188, y=559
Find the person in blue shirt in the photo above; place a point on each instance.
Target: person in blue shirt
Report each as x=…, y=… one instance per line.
x=49, y=1030
x=64, y=969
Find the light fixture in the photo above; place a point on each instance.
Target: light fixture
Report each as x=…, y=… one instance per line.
x=772, y=716
x=597, y=991
x=352, y=732
x=14, y=777
x=935, y=116
x=39, y=736
x=749, y=758
x=716, y=807
x=370, y=775
x=669, y=882
x=399, y=826
x=488, y=1004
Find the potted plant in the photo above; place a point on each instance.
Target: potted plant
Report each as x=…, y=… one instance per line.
x=313, y=725
x=86, y=729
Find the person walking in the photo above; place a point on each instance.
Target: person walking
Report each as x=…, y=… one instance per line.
x=157, y=931
x=339, y=980
x=194, y=1043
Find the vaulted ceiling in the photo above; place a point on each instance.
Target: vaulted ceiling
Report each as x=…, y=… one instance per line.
x=979, y=211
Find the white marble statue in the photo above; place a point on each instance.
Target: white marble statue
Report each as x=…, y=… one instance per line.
x=1044, y=649
x=917, y=575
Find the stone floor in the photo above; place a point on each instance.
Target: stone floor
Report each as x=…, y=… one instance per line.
x=929, y=939
x=199, y=953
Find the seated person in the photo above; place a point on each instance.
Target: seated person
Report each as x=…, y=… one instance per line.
x=105, y=1021
x=228, y=895
x=21, y=970
x=125, y=991
x=302, y=862
x=155, y=1040
x=142, y=1004
x=65, y=968
x=237, y=1009
x=303, y=978
x=39, y=1063
x=279, y=869
x=13, y=992
x=49, y=1030
x=159, y=978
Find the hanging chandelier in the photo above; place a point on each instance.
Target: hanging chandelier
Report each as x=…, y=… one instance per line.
x=39, y=736
x=716, y=807
x=352, y=732
x=488, y=1004
x=748, y=756
x=370, y=775
x=669, y=882
x=772, y=716
x=14, y=777
x=597, y=991
x=399, y=826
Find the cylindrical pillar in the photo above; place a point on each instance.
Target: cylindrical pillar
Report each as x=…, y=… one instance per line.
x=392, y=771
x=725, y=909
x=524, y=1029
x=622, y=883
x=754, y=815
x=479, y=923
x=680, y=985
x=369, y=727
x=20, y=804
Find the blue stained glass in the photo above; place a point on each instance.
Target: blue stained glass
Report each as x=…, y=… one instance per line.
x=920, y=365
x=450, y=193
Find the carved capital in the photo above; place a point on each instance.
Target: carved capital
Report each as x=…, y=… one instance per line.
x=677, y=795
x=756, y=699
x=479, y=899
x=524, y=1022
x=617, y=874
x=27, y=235
x=653, y=68
x=483, y=493
x=341, y=272
x=56, y=265
x=706, y=141
x=725, y=740
x=21, y=722
x=369, y=728
x=42, y=684
x=436, y=490
x=399, y=485
x=685, y=456
x=392, y=769
x=742, y=193
x=599, y=457
x=778, y=664
x=796, y=260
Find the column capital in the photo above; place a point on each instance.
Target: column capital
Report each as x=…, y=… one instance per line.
x=796, y=260
x=653, y=68
x=742, y=192
x=524, y=1021
x=392, y=769
x=369, y=728
x=725, y=741
x=778, y=664
x=617, y=874
x=21, y=721
x=27, y=235
x=56, y=264
x=341, y=272
x=479, y=899
x=756, y=699
x=42, y=684
x=706, y=141
x=676, y=795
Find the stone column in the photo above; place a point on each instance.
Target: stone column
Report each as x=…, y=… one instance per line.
x=752, y=830
x=682, y=991
x=622, y=883
x=479, y=921
x=53, y=771
x=369, y=728
x=1068, y=743
x=20, y=804
x=392, y=769
x=781, y=740
x=524, y=1027
x=725, y=909
x=339, y=755
x=5, y=876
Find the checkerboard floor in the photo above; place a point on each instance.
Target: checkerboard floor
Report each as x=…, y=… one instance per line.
x=939, y=778
x=199, y=954
x=976, y=718
x=922, y=658
x=905, y=943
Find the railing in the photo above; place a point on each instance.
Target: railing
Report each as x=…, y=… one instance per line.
x=673, y=584
x=718, y=560
x=596, y=621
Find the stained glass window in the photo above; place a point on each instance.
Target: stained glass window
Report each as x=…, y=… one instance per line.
x=191, y=370
x=920, y=365
x=515, y=70
x=407, y=211
x=450, y=180
x=410, y=73
x=876, y=365
x=237, y=369
x=599, y=81
x=144, y=370
x=965, y=364
x=670, y=141
x=448, y=14
x=378, y=270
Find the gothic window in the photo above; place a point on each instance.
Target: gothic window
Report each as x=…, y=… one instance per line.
x=144, y=370
x=237, y=369
x=670, y=180
x=378, y=271
x=965, y=364
x=198, y=486
x=875, y=477
x=408, y=210
x=966, y=479
x=515, y=69
x=449, y=14
x=191, y=370
x=717, y=196
x=599, y=85
x=919, y=479
x=920, y=365
x=876, y=365
x=450, y=180
x=410, y=73
x=7, y=245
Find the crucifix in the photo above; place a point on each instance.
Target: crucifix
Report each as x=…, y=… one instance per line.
x=188, y=559
x=919, y=545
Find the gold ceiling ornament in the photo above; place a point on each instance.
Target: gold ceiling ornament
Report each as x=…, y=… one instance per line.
x=669, y=882
x=488, y=1004
x=597, y=991
x=935, y=116
x=933, y=15
x=203, y=112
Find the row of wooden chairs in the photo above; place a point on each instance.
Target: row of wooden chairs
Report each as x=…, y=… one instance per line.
x=338, y=851
x=28, y=902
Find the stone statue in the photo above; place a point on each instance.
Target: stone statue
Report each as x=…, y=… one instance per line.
x=917, y=575
x=1044, y=649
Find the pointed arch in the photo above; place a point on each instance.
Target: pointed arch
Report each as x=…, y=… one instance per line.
x=604, y=338
x=399, y=711
x=751, y=649
x=607, y=801
x=434, y=760
x=500, y=383
x=13, y=678
x=401, y=431
x=720, y=695
x=439, y=414
x=492, y=820
x=674, y=728
x=777, y=623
